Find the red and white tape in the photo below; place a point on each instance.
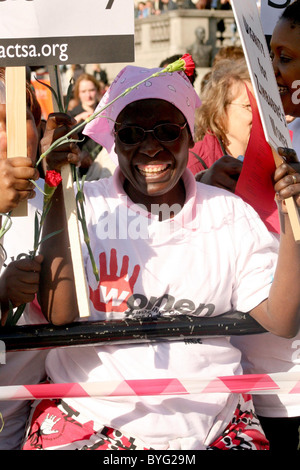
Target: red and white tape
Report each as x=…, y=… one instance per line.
x=288, y=383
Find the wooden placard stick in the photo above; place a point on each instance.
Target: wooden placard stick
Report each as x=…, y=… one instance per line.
x=72, y=219
x=292, y=208
x=16, y=131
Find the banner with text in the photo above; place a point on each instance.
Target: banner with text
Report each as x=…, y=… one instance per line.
x=35, y=32
x=262, y=74
x=270, y=11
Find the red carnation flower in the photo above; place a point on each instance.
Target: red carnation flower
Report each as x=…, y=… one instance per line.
x=53, y=178
x=189, y=66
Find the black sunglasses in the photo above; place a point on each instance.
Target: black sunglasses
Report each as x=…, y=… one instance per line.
x=133, y=135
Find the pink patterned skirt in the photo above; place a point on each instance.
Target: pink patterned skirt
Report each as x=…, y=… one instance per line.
x=54, y=425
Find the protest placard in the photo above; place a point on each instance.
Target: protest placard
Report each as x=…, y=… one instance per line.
x=270, y=11
x=39, y=33
x=265, y=89
x=35, y=32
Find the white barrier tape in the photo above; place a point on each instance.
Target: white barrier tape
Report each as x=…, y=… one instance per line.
x=288, y=383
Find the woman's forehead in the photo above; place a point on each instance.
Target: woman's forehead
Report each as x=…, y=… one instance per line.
x=284, y=35
x=151, y=110
x=238, y=89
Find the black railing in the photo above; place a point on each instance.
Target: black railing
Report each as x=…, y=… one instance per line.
x=169, y=328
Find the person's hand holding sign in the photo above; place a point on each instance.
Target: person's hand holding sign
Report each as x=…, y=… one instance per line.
x=58, y=124
x=15, y=182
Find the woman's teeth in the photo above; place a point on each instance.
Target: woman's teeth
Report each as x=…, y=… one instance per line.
x=151, y=169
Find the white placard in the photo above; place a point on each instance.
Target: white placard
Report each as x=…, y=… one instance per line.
x=270, y=11
x=262, y=73
x=52, y=32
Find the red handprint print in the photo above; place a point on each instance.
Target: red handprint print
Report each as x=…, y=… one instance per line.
x=113, y=290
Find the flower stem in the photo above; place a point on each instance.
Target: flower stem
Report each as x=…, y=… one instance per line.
x=6, y=224
x=82, y=219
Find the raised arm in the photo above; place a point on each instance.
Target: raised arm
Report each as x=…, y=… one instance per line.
x=280, y=313
x=57, y=289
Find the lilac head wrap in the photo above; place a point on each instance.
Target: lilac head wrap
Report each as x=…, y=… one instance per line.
x=172, y=87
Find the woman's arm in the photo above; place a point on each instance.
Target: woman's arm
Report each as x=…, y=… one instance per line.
x=280, y=313
x=57, y=288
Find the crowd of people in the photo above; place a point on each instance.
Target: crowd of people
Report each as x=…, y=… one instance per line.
x=183, y=243
x=147, y=8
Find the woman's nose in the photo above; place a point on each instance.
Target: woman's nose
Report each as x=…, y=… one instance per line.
x=150, y=145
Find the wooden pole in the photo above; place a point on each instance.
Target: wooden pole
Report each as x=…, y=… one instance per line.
x=72, y=219
x=16, y=131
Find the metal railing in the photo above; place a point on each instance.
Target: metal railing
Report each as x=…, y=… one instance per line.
x=170, y=328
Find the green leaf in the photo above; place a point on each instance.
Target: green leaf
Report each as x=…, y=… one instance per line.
x=52, y=91
x=69, y=93
x=50, y=235
x=37, y=186
x=9, y=318
x=60, y=100
x=18, y=313
x=6, y=223
x=36, y=230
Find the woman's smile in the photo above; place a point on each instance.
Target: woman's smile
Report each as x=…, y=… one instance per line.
x=152, y=170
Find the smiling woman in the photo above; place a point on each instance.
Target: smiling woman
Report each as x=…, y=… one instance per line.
x=214, y=251
x=285, y=53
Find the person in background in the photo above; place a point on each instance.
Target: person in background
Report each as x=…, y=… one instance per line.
x=101, y=76
x=139, y=11
x=203, y=4
x=20, y=274
x=228, y=52
x=87, y=92
x=223, y=124
x=166, y=5
x=225, y=52
x=266, y=353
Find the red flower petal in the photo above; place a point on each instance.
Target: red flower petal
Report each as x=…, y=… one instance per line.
x=53, y=178
x=189, y=66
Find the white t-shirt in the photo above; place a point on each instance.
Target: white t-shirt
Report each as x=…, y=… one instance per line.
x=24, y=367
x=267, y=353
x=214, y=256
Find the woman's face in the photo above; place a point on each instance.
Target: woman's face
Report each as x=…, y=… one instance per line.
x=32, y=135
x=152, y=168
x=238, y=121
x=88, y=93
x=285, y=53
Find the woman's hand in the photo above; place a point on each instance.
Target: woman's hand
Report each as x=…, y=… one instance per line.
x=287, y=178
x=15, y=184
x=19, y=283
x=58, y=125
x=223, y=173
